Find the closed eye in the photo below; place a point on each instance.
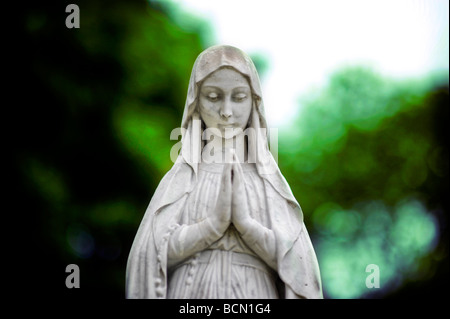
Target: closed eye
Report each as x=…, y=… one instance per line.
x=213, y=97
x=240, y=97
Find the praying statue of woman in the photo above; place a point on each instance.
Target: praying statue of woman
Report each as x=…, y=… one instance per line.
x=223, y=222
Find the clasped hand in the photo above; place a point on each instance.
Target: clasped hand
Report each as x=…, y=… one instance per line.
x=232, y=204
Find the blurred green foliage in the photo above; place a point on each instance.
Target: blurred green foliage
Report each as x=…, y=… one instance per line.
x=366, y=157
x=99, y=106
x=366, y=160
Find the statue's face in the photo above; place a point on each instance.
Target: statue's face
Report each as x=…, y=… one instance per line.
x=225, y=101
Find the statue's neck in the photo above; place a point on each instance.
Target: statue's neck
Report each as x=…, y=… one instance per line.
x=217, y=150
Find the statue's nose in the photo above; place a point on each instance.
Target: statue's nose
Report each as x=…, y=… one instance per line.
x=225, y=114
x=225, y=111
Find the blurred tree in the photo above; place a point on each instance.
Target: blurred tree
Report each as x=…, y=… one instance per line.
x=95, y=111
x=361, y=142
x=91, y=122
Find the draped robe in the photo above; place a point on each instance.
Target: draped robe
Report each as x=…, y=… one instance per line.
x=284, y=267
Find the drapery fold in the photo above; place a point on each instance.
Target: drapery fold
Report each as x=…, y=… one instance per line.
x=296, y=262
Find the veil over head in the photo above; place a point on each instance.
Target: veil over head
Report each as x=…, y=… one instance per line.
x=217, y=57
x=209, y=61
x=146, y=275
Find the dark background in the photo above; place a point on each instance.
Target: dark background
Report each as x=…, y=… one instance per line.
x=89, y=130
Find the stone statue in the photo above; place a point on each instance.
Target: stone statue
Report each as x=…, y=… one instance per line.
x=223, y=222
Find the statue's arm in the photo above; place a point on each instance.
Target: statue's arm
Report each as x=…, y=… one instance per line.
x=187, y=240
x=190, y=239
x=260, y=239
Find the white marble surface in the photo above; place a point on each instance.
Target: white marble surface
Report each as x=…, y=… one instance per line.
x=223, y=223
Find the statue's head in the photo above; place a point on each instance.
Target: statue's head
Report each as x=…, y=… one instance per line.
x=224, y=99
x=224, y=90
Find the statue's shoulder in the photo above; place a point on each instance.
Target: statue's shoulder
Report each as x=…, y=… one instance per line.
x=178, y=177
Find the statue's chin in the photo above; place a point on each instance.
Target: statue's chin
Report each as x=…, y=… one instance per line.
x=227, y=133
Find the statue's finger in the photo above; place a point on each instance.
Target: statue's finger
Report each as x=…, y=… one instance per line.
x=239, y=192
x=238, y=175
x=224, y=198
